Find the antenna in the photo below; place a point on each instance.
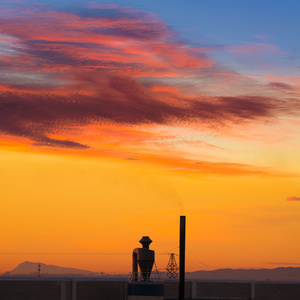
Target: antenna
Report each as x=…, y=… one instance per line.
x=39, y=270
x=172, y=266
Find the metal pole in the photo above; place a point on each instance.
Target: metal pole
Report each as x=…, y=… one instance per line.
x=134, y=266
x=182, y=258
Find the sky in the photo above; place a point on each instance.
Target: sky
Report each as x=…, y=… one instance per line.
x=118, y=117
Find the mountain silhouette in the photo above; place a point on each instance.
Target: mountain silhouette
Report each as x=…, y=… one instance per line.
x=278, y=274
x=31, y=268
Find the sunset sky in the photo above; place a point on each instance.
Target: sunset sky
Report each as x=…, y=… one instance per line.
x=118, y=117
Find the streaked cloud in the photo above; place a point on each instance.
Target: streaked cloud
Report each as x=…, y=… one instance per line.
x=262, y=36
x=111, y=38
x=283, y=263
x=254, y=49
x=93, y=76
x=293, y=199
x=280, y=86
x=121, y=100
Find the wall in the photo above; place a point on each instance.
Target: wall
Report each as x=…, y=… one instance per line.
x=80, y=289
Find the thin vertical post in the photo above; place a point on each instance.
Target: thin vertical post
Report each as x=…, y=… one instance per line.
x=182, y=258
x=134, y=266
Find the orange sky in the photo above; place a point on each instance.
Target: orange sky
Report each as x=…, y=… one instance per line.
x=113, y=126
x=59, y=205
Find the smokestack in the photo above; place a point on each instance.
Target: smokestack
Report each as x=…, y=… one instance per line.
x=182, y=258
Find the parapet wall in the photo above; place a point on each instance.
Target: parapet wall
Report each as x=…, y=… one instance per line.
x=77, y=289
x=228, y=290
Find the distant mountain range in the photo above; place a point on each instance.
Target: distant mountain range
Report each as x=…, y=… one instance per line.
x=31, y=269
x=278, y=274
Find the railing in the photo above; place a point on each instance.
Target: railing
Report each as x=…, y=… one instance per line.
x=153, y=277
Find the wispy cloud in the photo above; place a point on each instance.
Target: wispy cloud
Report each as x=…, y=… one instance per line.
x=280, y=86
x=120, y=100
x=262, y=36
x=250, y=49
x=283, y=263
x=109, y=64
x=293, y=199
x=110, y=38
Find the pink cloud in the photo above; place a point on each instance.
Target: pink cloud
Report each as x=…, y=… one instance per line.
x=262, y=36
x=250, y=49
x=133, y=43
x=293, y=81
x=98, y=97
x=71, y=70
x=280, y=86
